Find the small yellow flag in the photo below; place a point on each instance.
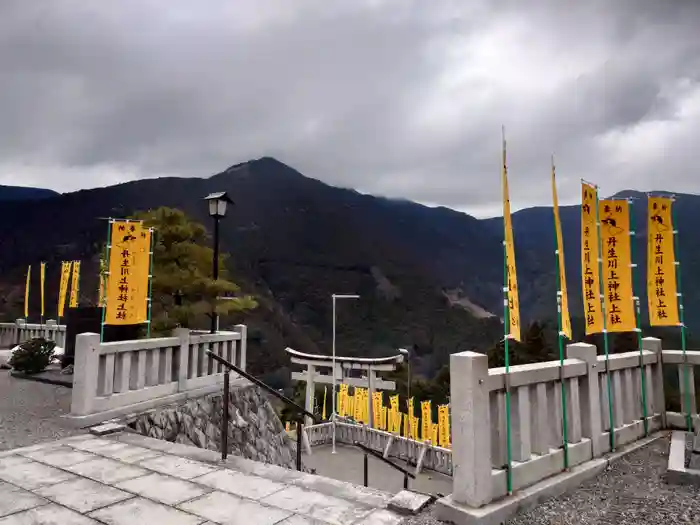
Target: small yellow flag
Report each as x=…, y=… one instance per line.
x=26, y=293
x=512, y=284
x=617, y=266
x=590, y=271
x=323, y=414
x=42, y=271
x=662, y=291
x=427, y=421
x=563, y=300
x=75, y=285
x=63, y=287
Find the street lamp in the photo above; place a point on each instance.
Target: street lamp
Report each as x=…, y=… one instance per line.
x=335, y=297
x=404, y=351
x=217, y=210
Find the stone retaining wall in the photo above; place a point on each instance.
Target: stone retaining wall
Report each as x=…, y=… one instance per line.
x=255, y=431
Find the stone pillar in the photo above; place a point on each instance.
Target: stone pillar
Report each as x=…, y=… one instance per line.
x=589, y=391
x=471, y=429
x=87, y=348
x=310, y=391
x=50, y=330
x=243, y=330
x=19, y=326
x=653, y=344
x=183, y=361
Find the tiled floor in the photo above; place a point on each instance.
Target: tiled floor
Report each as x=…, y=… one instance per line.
x=125, y=479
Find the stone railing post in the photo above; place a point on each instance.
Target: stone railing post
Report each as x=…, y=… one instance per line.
x=591, y=426
x=653, y=344
x=471, y=429
x=19, y=325
x=243, y=330
x=183, y=357
x=50, y=330
x=87, y=357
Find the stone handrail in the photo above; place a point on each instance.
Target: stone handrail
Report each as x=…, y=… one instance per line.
x=12, y=334
x=478, y=415
x=677, y=420
x=117, y=378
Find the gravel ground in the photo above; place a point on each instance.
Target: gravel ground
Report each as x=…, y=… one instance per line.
x=30, y=412
x=631, y=491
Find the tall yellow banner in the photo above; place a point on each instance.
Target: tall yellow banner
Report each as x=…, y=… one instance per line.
x=42, y=272
x=590, y=270
x=444, y=425
x=143, y=263
x=26, y=293
x=617, y=265
x=343, y=400
x=427, y=421
x=75, y=285
x=661, y=264
x=512, y=285
x=323, y=413
x=63, y=287
x=127, y=281
x=563, y=294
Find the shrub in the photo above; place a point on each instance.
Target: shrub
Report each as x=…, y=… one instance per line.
x=32, y=356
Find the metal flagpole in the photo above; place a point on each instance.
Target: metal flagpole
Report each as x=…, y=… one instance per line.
x=560, y=294
x=506, y=327
x=605, y=322
x=681, y=312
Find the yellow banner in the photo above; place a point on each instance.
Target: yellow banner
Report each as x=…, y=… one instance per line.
x=63, y=287
x=662, y=291
x=26, y=293
x=434, y=434
x=127, y=282
x=325, y=392
x=590, y=270
x=415, y=427
x=75, y=285
x=444, y=425
x=617, y=266
x=343, y=400
x=426, y=420
x=384, y=420
x=42, y=271
x=512, y=285
x=143, y=263
x=563, y=294
x=409, y=416
x=407, y=425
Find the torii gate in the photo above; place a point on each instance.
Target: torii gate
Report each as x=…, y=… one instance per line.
x=342, y=365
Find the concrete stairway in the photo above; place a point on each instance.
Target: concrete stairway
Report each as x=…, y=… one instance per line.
x=123, y=478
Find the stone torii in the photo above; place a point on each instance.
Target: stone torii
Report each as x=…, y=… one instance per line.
x=343, y=365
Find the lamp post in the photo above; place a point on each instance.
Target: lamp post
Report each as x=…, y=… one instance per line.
x=404, y=351
x=217, y=210
x=335, y=298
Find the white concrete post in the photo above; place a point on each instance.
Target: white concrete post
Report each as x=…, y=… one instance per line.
x=87, y=356
x=50, y=330
x=183, y=357
x=653, y=344
x=243, y=330
x=471, y=429
x=19, y=325
x=589, y=392
x=310, y=391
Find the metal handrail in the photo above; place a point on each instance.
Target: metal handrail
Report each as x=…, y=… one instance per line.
x=367, y=450
x=300, y=411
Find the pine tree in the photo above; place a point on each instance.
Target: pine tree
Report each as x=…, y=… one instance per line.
x=183, y=290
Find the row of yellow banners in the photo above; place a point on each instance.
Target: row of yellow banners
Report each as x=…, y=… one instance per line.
x=606, y=262
x=68, y=269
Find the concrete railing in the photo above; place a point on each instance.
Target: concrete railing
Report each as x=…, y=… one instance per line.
x=479, y=451
x=421, y=454
x=118, y=378
x=674, y=358
x=12, y=334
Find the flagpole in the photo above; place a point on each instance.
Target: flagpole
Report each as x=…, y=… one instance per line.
x=110, y=222
x=681, y=313
x=149, y=300
x=506, y=336
x=642, y=371
x=605, y=322
x=560, y=295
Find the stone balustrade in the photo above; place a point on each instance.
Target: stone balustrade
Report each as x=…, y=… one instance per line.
x=12, y=334
x=125, y=377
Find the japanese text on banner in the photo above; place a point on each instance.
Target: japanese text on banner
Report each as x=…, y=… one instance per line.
x=63, y=287
x=512, y=284
x=142, y=255
x=127, y=282
x=661, y=264
x=590, y=271
x=426, y=420
x=75, y=285
x=617, y=266
x=564, y=296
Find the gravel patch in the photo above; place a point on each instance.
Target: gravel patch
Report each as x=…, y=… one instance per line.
x=30, y=412
x=631, y=491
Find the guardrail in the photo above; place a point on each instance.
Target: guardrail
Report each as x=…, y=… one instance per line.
x=12, y=334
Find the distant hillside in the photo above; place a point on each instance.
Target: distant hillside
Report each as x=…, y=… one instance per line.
x=20, y=193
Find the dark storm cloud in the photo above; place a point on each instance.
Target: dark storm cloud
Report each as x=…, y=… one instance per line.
x=402, y=98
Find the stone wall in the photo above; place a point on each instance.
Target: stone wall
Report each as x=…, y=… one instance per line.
x=255, y=432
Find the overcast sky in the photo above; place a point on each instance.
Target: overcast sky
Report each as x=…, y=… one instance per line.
x=403, y=98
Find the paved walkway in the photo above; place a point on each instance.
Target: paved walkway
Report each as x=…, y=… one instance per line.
x=30, y=412
x=347, y=465
x=126, y=479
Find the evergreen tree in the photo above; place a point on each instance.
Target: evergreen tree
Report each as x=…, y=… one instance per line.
x=183, y=290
